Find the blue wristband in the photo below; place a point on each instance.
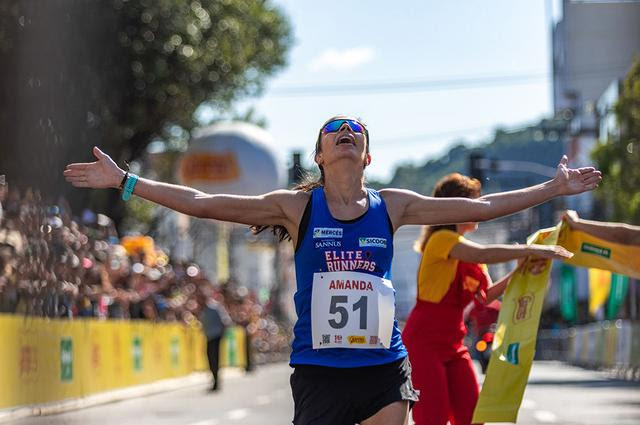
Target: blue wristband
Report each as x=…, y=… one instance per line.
x=128, y=187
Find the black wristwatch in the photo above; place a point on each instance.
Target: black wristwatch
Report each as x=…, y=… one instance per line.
x=124, y=180
x=126, y=176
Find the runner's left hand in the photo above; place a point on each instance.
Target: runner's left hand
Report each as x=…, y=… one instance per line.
x=576, y=180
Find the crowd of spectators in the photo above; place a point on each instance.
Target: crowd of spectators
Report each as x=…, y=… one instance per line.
x=55, y=265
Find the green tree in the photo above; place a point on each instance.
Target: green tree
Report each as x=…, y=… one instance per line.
x=186, y=53
x=618, y=157
x=120, y=74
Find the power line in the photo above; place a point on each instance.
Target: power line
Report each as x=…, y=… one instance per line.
x=381, y=142
x=401, y=86
x=457, y=83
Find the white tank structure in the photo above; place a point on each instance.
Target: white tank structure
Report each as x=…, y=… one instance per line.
x=235, y=158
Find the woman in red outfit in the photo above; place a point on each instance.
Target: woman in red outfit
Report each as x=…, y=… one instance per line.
x=452, y=275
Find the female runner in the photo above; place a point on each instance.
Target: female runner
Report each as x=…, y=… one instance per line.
x=349, y=361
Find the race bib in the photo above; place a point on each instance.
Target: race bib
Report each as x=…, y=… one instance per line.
x=351, y=310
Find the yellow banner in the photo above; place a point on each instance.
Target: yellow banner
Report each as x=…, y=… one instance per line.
x=597, y=253
x=599, y=286
x=48, y=360
x=514, y=341
x=516, y=334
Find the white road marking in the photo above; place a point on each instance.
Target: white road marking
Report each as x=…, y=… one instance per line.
x=207, y=422
x=528, y=404
x=280, y=393
x=261, y=400
x=545, y=416
x=237, y=414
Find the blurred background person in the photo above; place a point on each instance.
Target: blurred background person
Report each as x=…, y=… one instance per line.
x=452, y=274
x=215, y=320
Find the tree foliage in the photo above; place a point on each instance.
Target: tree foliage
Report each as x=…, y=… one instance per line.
x=121, y=73
x=618, y=157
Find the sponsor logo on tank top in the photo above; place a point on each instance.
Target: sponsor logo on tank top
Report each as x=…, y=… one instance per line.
x=375, y=242
x=328, y=244
x=340, y=261
x=327, y=232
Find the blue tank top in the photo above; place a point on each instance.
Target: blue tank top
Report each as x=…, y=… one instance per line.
x=319, y=250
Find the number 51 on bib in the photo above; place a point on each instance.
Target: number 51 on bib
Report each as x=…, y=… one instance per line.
x=351, y=310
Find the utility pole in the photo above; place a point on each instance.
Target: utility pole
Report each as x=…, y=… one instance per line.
x=296, y=171
x=476, y=166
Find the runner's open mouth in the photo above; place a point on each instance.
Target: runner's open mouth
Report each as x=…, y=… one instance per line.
x=346, y=139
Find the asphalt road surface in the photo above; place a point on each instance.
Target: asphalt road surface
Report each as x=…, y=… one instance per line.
x=556, y=394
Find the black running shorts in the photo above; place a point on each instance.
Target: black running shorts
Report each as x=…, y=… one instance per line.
x=346, y=396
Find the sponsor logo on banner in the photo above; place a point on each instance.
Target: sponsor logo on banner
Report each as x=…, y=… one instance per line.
x=337, y=339
x=66, y=359
x=595, y=250
x=158, y=351
x=95, y=356
x=118, y=365
x=524, y=304
x=327, y=232
x=513, y=353
x=175, y=352
x=328, y=244
x=374, y=242
x=326, y=339
x=357, y=339
x=374, y=340
x=136, y=353
x=28, y=361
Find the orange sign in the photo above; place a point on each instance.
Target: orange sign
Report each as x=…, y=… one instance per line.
x=212, y=167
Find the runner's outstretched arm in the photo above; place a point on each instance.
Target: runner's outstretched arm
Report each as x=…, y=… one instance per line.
x=407, y=207
x=275, y=208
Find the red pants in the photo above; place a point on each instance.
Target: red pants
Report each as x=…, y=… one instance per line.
x=447, y=384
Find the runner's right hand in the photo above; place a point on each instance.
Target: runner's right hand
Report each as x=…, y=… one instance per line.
x=100, y=174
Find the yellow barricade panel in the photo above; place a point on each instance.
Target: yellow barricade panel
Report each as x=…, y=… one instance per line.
x=50, y=360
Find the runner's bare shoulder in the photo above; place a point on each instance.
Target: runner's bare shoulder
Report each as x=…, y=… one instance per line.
x=293, y=203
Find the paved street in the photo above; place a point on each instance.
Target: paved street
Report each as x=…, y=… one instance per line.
x=556, y=393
